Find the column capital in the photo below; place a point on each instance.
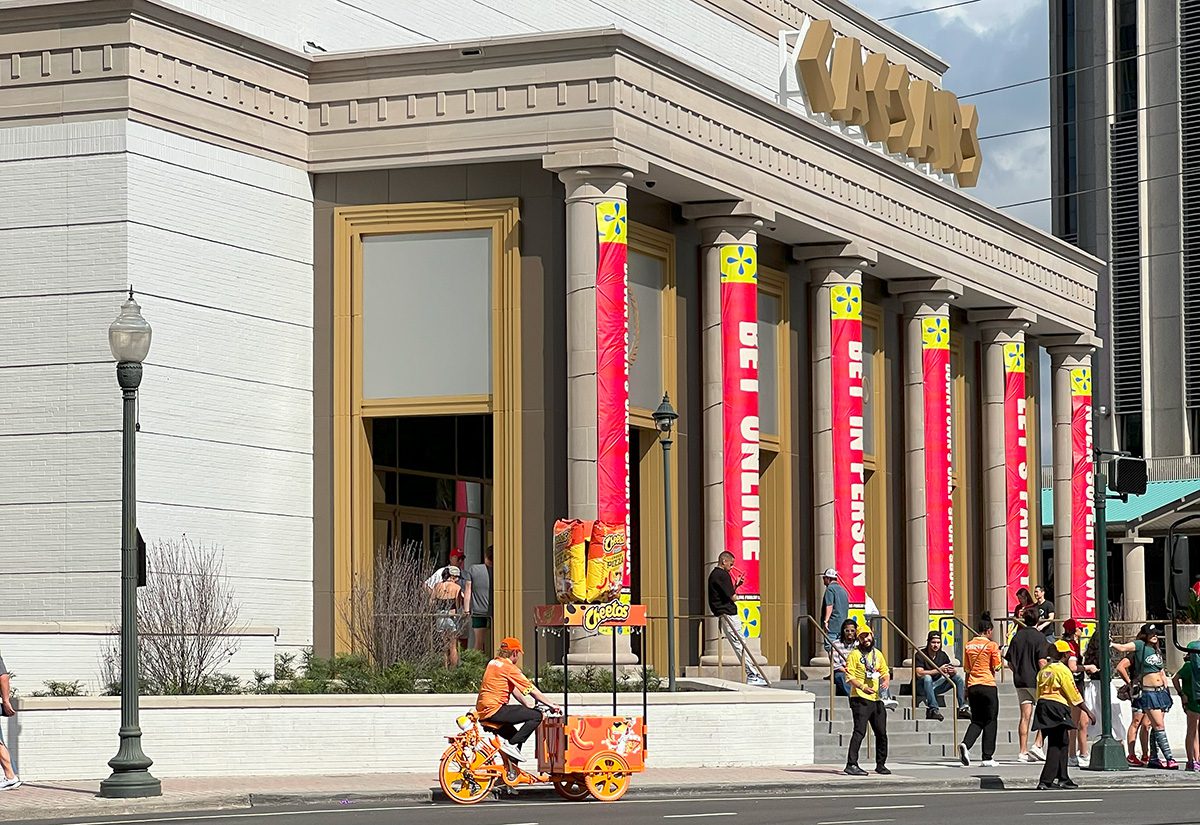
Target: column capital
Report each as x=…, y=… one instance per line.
x=728, y=221
x=840, y=259
x=1001, y=324
x=926, y=290
x=592, y=173
x=1062, y=347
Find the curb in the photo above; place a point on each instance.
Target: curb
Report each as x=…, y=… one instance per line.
x=278, y=798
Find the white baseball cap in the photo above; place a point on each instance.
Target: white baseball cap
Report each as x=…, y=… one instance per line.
x=830, y=573
x=453, y=570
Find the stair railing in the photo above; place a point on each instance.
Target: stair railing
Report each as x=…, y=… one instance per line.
x=821, y=634
x=919, y=651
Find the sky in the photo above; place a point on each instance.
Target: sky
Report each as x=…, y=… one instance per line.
x=993, y=43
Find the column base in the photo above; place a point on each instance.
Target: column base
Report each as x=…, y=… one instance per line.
x=731, y=672
x=596, y=650
x=130, y=785
x=1107, y=755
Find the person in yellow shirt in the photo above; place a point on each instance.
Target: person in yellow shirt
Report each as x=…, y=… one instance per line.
x=868, y=678
x=981, y=660
x=1056, y=695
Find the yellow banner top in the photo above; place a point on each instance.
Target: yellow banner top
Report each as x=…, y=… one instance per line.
x=1014, y=357
x=610, y=222
x=739, y=264
x=935, y=332
x=845, y=302
x=1081, y=381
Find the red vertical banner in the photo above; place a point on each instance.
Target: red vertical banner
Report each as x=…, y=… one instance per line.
x=1016, y=471
x=939, y=513
x=739, y=406
x=612, y=370
x=1083, y=505
x=849, y=474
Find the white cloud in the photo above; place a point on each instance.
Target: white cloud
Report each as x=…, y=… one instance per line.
x=995, y=17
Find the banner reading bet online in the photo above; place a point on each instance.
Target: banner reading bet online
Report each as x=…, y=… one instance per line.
x=849, y=474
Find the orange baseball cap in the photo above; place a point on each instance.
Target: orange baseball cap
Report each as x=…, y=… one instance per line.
x=511, y=643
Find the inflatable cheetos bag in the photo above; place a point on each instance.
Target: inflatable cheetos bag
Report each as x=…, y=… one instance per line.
x=570, y=559
x=605, y=562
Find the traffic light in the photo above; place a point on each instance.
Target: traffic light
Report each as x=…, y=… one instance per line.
x=1127, y=476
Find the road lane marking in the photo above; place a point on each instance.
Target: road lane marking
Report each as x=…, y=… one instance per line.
x=886, y=807
x=853, y=821
x=1071, y=801
x=1065, y=813
x=695, y=816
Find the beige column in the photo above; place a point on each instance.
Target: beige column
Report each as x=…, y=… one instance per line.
x=829, y=266
x=720, y=223
x=1064, y=356
x=1133, y=554
x=589, y=178
x=997, y=328
x=922, y=299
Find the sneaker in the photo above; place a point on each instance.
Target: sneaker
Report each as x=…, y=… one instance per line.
x=934, y=713
x=854, y=770
x=1085, y=762
x=964, y=712
x=1155, y=764
x=1025, y=757
x=1133, y=761
x=990, y=763
x=511, y=751
x=1073, y=762
x=1145, y=760
x=1170, y=765
x=756, y=681
x=882, y=770
x=1193, y=766
x=1037, y=753
x=964, y=755
x=10, y=784
x=890, y=703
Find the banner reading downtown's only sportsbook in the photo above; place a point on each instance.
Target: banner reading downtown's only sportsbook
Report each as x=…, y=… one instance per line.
x=612, y=371
x=1016, y=471
x=1083, y=505
x=739, y=405
x=939, y=515
x=849, y=479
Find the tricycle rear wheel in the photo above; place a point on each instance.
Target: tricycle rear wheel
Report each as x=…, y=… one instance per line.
x=459, y=781
x=607, y=777
x=571, y=787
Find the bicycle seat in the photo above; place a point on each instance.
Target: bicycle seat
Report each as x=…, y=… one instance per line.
x=489, y=725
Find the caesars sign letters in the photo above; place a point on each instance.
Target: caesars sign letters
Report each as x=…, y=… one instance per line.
x=910, y=117
x=849, y=472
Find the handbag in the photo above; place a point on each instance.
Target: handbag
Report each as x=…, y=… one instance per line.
x=1129, y=692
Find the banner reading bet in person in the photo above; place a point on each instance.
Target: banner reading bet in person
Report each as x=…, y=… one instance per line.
x=1016, y=471
x=1083, y=505
x=849, y=474
x=739, y=405
x=612, y=372
x=939, y=516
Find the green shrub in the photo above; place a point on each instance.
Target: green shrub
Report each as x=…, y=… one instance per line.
x=54, y=688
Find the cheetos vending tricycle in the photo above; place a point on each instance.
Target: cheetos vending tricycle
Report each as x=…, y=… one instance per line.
x=582, y=755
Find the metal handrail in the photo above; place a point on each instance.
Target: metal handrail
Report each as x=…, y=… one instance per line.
x=917, y=651
x=821, y=631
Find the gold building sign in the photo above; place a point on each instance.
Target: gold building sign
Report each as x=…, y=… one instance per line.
x=910, y=117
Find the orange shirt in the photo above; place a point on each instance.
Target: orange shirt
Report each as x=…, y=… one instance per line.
x=981, y=657
x=499, y=679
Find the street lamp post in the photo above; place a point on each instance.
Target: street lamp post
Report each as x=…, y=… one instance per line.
x=129, y=340
x=664, y=419
x=1107, y=754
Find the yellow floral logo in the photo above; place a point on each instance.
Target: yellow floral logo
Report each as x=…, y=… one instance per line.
x=739, y=264
x=751, y=614
x=935, y=332
x=1081, y=381
x=845, y=302
x=610, y=222
x=1014, y=357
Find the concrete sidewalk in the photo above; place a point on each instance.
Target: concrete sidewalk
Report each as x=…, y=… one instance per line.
x=63, y=799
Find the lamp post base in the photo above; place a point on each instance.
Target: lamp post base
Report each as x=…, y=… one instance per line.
x=130, y=785
x=1107, y=755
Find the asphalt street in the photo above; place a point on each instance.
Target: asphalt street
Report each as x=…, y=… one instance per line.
x=1130, y=806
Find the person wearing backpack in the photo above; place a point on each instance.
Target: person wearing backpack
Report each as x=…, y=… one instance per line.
x=1187, y=685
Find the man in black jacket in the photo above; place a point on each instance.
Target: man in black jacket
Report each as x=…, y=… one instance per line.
x=722, y=594
x=1026, y=656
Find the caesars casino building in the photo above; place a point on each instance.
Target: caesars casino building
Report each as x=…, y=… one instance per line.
x=420, y=271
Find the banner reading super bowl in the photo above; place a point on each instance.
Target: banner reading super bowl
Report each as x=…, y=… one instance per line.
x=849, y=475
x=739, y=404
x=1083, y=505
x=612, y=371
x=939, y=514
x=1016, y=470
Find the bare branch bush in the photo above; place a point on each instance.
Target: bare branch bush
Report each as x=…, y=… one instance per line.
x=390, y=613
x=187, y=621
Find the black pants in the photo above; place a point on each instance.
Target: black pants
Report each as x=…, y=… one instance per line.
x=984, y=702
x=517, y=722
x=1056, y=754
x=867, y=712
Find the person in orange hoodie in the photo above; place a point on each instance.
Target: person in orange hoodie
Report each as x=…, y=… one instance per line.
x=981, y=660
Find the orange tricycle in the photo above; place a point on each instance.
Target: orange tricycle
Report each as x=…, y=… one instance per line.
x=581, y=755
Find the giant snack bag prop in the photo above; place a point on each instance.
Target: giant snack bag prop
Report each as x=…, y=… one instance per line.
x=570, y=560
x=605, y=561
x=589, y=561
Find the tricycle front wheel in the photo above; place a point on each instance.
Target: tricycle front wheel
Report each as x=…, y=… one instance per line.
x=459, y=780
x=571, y=787
x=607, y=777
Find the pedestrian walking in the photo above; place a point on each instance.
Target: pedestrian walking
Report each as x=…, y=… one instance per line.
x=1187, y=685
x=1056, y=695
x=868, y=676
x=835, y=606
x=478, y=598
x=1045, y=613
x=448, y=605
x=1091, y=693
x=1154, y=698
x=1079, y=743
x=11, y=781
x=1026, y=656
x=846, y=641
x=981, y=660
x=722, y=593
x=935, y=675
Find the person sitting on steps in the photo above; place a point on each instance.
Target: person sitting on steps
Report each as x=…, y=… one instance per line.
x=936, y=675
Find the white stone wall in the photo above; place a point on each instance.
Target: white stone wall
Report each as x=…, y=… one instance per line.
x=296, y=735
x=218, y=246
